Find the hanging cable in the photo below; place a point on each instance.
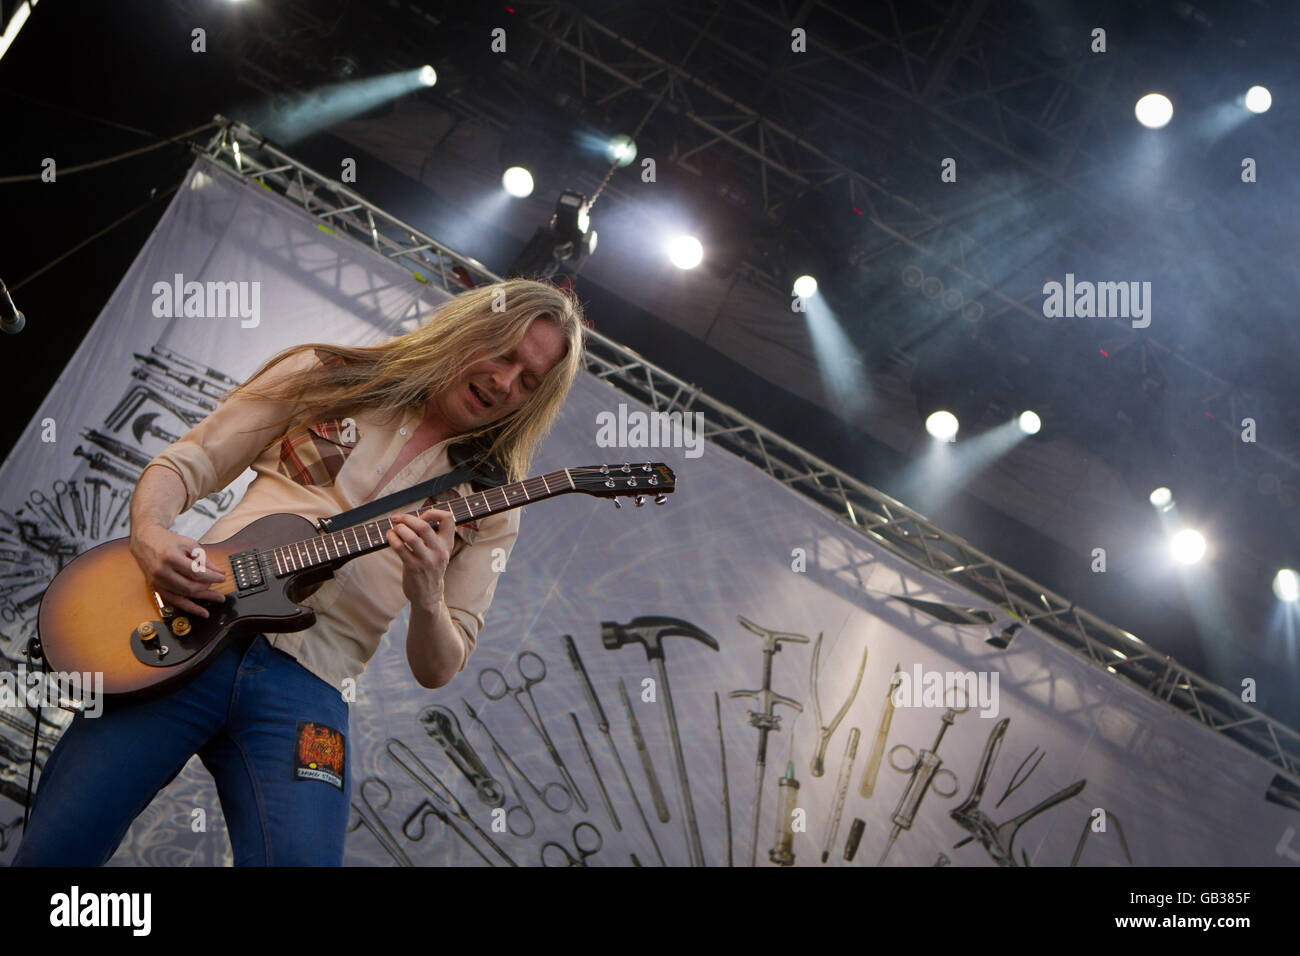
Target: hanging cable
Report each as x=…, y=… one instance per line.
x=45, y=104
x=29, y=177
x=89, y=239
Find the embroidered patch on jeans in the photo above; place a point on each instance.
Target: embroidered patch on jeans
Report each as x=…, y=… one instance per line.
x=320, y=754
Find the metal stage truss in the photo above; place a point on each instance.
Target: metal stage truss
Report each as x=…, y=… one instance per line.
x=903, y=532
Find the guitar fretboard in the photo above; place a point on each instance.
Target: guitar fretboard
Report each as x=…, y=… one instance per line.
x=347, y=543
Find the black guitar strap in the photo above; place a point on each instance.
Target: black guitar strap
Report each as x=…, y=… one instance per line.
x=471, y=464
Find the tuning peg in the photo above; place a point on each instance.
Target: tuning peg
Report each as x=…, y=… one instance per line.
x=640, y=500
x=617, y=503
x=661, y=499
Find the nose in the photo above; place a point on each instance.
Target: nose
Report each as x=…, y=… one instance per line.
x=504, y=376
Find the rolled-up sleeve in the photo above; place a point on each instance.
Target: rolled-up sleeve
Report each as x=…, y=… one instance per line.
x=472, y=574
x=216, y=451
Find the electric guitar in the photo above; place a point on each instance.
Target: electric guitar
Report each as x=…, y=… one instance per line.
x=99, y=614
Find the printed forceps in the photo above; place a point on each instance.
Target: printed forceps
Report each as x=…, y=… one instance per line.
x=582, y=851
x=499, y=687
x=375, y=823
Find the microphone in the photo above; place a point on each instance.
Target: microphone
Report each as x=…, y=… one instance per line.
x=11, y=320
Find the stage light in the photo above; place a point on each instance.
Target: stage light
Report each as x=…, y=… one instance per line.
x=1258, y=99
x=1030, y=423
x=805, y=287
x=1188, y=546
x=954, y=377
x=517, y=181
x=570, y=219
x=942, y=425
x=621, y=150
x=1286, y=585
x=567, y=237
x=685, y=252
x=1162, y=498
x=428, y=75
x=571, y=225
x=1154, y=110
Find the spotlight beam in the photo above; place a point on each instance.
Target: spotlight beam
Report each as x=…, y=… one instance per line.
x=323, y=107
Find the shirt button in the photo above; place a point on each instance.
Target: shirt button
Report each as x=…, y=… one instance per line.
x=379, y=468
x=401, y=431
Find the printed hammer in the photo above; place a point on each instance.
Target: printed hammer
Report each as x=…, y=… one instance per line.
x=650, y=630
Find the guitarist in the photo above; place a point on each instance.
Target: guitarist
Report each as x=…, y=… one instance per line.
x=325, y=428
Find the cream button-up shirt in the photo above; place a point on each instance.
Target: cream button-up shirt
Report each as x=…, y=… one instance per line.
x=319, y=471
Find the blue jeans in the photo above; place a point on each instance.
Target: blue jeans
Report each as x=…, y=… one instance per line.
x=271, y=733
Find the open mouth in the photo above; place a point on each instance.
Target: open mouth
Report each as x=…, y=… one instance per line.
x=480, y=399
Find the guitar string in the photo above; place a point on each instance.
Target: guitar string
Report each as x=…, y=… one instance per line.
x=534, y=488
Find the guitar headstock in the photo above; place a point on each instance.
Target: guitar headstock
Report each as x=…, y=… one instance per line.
x=639, y=481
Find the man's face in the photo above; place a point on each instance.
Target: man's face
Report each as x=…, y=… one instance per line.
x=492, y=388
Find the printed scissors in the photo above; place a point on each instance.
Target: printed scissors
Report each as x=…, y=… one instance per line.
x=582, y=852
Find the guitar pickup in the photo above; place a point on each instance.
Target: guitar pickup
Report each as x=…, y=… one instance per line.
x=247, y=572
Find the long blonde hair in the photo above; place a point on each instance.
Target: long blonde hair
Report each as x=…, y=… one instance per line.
x=404, y=371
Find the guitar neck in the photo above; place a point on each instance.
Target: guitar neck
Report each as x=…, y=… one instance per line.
x=337, y=547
